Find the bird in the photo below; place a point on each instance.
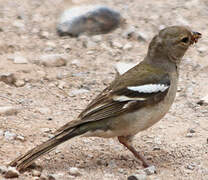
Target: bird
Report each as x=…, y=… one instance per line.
x=132, y=102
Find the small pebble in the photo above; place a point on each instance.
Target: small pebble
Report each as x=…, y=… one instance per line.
x=11, y=173
x=189, y=135
x=19, y=83
x=78, y=91
x=127, y=46
x=51, y=60
x=122, y=67
x=21, y=138
x=9, y=135
x=203, y=101
x=36, y=173
x=20, y=60
x=137, y=177
x=150, y=170
x=8, y=78
x=74, y=171
x=8, y=110
x=190, y=166
x=192, y=131
x=3, y=169
x=117, y=44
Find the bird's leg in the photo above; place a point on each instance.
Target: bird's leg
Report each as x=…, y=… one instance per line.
x=125, y=141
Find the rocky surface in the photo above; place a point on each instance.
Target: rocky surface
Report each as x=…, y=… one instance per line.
x=52, y=96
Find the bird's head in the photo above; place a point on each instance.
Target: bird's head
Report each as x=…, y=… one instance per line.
x=172, y=42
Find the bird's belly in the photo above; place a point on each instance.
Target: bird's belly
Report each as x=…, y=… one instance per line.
x=137, y=121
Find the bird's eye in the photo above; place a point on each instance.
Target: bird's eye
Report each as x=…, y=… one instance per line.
x=185, y=40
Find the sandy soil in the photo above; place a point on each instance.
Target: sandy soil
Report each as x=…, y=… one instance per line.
x=28, y=28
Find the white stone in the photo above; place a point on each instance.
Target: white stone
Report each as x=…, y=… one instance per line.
x=36, y=173
x=44, y=110
x=8, y=110
x=74, y=171
x=79, y=91
x=202, y=49
x=150, y=170
x=127, y=46
x=75, y=62
x=123, y=67
x=21, y=138
x=19, y=83
x=117, y=44
x=11, y=173
x=142, y=36
x=138, y=177
x=20, y=60
x=9, y=135
x=204, y=100
x=8, y=78
x=3, y=169
x=52, y=60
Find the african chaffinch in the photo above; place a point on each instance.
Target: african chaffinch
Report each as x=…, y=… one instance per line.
x=133, y=102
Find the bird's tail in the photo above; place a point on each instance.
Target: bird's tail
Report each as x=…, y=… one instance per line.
x=27, y=159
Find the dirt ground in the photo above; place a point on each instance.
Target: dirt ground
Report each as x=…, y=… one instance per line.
x=177, y=146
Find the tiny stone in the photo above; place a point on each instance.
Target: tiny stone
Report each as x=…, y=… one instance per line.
x=141, y=36
x=21, y=138
x=56, y=176
x=3, y=169
x=51, y=60
x=8, y=78
x=137, y=177
x=191, y=167
x=192, y=131
x=20, y=60
x=79, y=91
x=189, y=135
x=150, y=170
x=36, y=173
x=44, y=34
x=9, y=135
x=156, y=148
x=97, y=38
x=19, y=83
x=116, y=44
x=202, y=49
x=122, y=67
x=75, y=62
x=43, y=177
x=46, y=130
x=44, y=110
x=8, y=110
x=11, y=173
x=1, y=132
x=203, y=101
x=127, y=46
x=74, y=171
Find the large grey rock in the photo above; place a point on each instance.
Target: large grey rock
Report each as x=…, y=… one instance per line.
x=91, y=19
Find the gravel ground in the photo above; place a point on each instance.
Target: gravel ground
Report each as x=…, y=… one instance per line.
x=44, y=98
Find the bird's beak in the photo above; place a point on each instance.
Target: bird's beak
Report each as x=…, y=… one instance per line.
x=195, y=36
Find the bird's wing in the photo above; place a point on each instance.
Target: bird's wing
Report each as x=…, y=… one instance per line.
x=149, y=88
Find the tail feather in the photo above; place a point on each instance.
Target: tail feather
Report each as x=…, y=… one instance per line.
x=27, y=159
